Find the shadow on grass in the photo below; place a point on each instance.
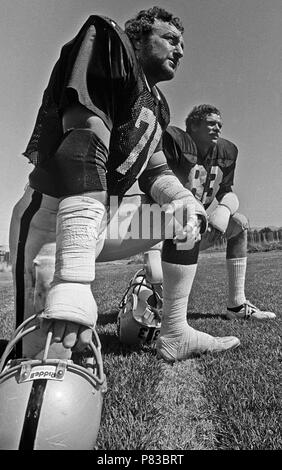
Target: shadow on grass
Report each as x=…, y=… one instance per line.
x=111, y=317
x=203, y=316
x=111, y=345
x=106, y=318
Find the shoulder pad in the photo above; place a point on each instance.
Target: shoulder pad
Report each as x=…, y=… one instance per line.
x=97, y=20
x=227, y=152
x=164, y=101
x=185, y=143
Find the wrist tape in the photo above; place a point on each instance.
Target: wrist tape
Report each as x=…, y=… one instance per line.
x=71, y=301
x=70, y=297
x=78, y=225
x=167, y=189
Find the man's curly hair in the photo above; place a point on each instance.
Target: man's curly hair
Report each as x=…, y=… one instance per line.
x=143, y=22
x=199, y=113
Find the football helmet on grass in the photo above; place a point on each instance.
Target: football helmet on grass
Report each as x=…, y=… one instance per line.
x=50, y=404
x=139, y=318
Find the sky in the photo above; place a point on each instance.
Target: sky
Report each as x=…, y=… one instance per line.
x=233, y=60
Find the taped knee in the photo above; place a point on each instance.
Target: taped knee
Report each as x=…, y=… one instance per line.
x=238, y=223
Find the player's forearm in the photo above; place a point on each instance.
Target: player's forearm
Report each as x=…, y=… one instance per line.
x=159, y=182
x=78, y=224
x=70, y=298
x=165, y=188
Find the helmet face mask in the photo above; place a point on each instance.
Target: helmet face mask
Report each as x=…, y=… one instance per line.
x=139, y=318
x=51, y=404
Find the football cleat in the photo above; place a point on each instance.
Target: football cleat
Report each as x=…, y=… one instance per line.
x=249, y=311
x=139, y=318
x=50, y=404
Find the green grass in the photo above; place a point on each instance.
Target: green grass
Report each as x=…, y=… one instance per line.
x=228, y=401
x=244, y=391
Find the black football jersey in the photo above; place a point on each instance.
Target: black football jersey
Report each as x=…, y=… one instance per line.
x=206, y=178
x=99, y=69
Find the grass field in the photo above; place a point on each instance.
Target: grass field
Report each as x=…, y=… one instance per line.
x=229, y=401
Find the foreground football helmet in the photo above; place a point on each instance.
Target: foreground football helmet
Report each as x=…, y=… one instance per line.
x=50, y=404
x=139, y=318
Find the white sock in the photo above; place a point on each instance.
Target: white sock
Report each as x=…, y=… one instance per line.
x=236, y=270
x=177, y=284
x=178, y=340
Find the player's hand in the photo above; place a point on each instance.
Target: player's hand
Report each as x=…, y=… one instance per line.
x=71, y=313
x=189, y=235
x=71, y=335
